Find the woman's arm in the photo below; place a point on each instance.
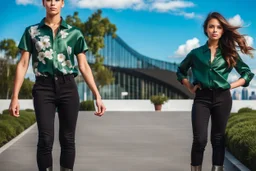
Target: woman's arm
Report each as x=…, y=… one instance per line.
x=182, y=73
x=88, y=77
x=245, y=73
x=21, y=70
x=189, y=86
x=237, y=83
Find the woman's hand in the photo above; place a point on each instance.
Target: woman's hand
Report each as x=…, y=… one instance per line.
x=88, y=77
x=14, y=107
x=190, y=86
x=21, y=70
x=193, y=89
x=100, y=108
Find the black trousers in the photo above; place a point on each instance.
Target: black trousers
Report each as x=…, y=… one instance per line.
x=216, y=104
x=49, y=94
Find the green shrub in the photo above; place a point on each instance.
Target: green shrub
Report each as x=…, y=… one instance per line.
x=11, y=126
x=29, y=110
x=13, y=121
x=87, y=105
x=233, y=119
x=29, y=115
x=6, y=111
x=158, y=99
x=3, y=138
x=25, y=120
x=8, y=129
x=240, y=137
x=245, y=109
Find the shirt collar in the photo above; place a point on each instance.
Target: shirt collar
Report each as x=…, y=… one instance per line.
x=62, y=24
x=206, y=48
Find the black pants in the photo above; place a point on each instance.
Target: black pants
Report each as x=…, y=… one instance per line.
x=49, y=94
x=217, y=104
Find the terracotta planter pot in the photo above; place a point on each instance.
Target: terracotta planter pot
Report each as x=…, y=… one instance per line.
x=158, y=107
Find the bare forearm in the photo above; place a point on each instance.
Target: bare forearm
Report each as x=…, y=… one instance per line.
x=237, y=83
x=88, y=77
x=19, y=78
x=186, y=83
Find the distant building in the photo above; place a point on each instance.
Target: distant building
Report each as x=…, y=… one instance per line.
x=253, y=96
x=136, y=76
x=245, y=93
x=235, y=95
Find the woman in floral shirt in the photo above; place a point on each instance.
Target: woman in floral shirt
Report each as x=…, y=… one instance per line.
x=53, y=45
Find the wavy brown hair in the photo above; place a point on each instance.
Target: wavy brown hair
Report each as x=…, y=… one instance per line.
x=230, y=39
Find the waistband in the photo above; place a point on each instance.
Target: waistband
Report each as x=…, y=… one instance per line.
x=214, y=89
x=209, y=90
x=60, y=78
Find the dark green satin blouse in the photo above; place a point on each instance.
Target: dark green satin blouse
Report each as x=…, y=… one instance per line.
x=211, y=74
x=53, y=55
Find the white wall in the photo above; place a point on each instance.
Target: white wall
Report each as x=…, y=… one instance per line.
x=24, y=104
x=140, y=105
x=171, y=105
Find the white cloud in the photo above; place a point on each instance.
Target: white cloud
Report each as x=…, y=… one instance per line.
x=249, y=40
x=236, y=20
x=174, y=7
x=167, y=5
x=115, y=4
x=25, y=2
x=233, y=77
x=184, y=49
x=188, y=15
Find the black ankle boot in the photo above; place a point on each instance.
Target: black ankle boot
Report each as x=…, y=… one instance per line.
x=65, y=169
x=49, y=169
x=217, y=168
x=196, y=168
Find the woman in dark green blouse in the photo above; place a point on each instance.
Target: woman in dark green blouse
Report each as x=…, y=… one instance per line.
x=211, y=65
x=53, y=45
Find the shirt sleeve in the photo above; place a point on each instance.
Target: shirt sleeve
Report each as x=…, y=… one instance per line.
x=26, y=41
x=80, y=45
x=182, y=71
x=244, y=71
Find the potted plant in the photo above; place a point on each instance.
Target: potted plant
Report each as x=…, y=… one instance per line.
x=158, y=101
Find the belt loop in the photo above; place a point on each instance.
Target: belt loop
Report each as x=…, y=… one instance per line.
x=64, y=78
x=70, y=77
x=43, y=78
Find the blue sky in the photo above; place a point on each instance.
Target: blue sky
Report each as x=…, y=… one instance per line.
x=161, y=29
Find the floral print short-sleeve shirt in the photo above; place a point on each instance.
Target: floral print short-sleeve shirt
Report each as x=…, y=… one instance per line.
x=53, y=55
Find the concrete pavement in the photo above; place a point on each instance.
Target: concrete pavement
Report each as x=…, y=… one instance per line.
x=118, y=141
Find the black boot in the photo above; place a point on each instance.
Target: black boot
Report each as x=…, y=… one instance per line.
x=196, y=168
x=217, y=168
x=49, y=169
x=65, y=169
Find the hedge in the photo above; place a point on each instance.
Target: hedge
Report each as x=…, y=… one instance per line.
x=245, y=110
x=11, y=126
x=87, y=105
x=241, y=137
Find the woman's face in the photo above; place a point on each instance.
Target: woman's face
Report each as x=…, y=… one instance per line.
x=214, y=29
x=53, y=7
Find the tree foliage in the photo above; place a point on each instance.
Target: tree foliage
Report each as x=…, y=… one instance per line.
x=10, y=51
x=94, y=31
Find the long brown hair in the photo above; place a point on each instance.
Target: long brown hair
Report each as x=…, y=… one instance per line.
x=230, y=40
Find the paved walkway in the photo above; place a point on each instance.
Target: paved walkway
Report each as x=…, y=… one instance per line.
x=119, y=141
